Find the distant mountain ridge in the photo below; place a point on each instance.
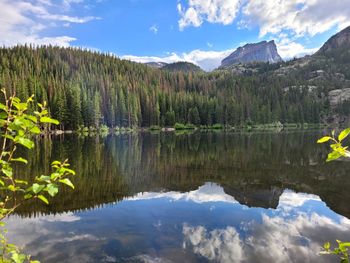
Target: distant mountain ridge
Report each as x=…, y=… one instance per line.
x=182, y=66
x=257, y=52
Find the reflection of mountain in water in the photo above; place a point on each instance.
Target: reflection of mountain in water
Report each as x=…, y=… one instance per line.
x=252, y=168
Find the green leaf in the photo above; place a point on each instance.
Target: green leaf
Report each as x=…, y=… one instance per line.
x=324, y=139
x=66, y=181
x=21, y=106
x=52, y=189
x=37, y=188
x=35, y=129
x=28, y=196
x=44, y=178
x=18, y=258
x=25, y=142
x=21, y=182
x=56, y=163
x=344, y=245
x=333, y=156
x=3, y=115
x=3, y=107
x=19, y=159
x=327, y=246
x=7, y=171
x=44, y=199
x=343, y=134
x=49, y=120
x=11, y=188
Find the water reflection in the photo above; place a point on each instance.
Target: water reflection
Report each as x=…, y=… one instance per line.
x=200, y=225
x=219, y=197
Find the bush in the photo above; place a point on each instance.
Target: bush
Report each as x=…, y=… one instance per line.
x=217, y=126
x=181, y=126
x=154, y=128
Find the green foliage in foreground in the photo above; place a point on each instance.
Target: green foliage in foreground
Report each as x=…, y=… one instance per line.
x=17, y=127
x=338, y=150
x=341, y=250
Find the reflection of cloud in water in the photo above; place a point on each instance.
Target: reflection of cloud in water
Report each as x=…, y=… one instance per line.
x=219, y=245
x=290, y=199
x=210, y=192
x=29, y=229
x=295, y=236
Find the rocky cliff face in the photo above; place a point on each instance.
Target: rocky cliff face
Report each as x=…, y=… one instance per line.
x=258, y=52
x=338, y=41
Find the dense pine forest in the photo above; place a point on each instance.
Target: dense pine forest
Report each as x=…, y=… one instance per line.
x=86, y=88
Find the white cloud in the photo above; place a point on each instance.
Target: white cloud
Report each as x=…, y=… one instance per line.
x=207, y=60
x=292, y=49
x=219, y=245
x=154, y=29
x=301, y=17
x=209, y=192
x=292, y=199
x=212, y=11
x=288, y=234
x=24, y=22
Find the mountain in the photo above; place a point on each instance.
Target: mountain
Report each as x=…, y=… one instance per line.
x=156, y=64
x=338, y=41
x=182, y=67
x=89, y=89
x=257, y=52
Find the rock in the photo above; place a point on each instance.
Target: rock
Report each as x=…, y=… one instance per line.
x=257, y=52
x=339, y=40
x=338, y=95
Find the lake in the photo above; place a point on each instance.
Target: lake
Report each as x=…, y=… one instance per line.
x=200, y=197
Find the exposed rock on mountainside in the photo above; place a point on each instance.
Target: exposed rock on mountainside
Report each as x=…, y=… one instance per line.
x=258, y=52
x=338, y=96
x=339, y=40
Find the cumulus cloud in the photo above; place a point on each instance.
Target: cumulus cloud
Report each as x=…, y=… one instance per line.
x=296, y=19
x=219, y=245
x=24, y=22
x=212, y=11
x=207, y=60
x=301, y=17
x=293, y=49
x=286, y=235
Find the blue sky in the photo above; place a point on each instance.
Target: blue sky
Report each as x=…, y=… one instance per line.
x=199, y=31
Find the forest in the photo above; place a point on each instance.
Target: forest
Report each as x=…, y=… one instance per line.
x=91, y=89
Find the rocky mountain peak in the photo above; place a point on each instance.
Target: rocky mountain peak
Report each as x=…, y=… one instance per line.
x=339, y=40
x=255, y=52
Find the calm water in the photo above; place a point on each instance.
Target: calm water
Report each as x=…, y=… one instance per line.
x=203, y=197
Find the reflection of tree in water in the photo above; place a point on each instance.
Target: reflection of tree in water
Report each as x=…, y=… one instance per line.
x=254, y=168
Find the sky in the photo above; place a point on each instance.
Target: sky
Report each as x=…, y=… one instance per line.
x=198, y=31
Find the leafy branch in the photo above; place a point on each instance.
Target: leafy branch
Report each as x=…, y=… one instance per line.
x=17, y=128
x=338, y=150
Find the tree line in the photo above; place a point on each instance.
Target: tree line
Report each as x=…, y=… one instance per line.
x=91, y=88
